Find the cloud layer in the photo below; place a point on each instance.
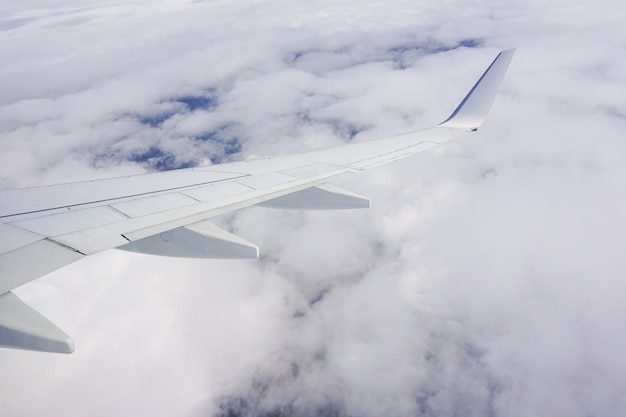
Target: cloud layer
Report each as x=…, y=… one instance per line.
x=487, y=279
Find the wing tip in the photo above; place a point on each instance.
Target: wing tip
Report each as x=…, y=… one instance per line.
x=474, y=108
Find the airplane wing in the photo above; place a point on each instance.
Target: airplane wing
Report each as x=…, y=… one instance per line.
x=165, y=213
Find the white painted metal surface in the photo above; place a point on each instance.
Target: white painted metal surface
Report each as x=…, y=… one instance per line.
x=258, y=182
x=14, y=237
x=71, y=221
x=31, y=261
x=150, y=205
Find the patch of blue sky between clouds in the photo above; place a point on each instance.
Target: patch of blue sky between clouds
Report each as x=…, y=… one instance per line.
x=345, y=129
x=225, y=139
x=405, y=52
x=199, y=102
x=154, y=157
x=406, y=55
x=157, y=159
x=176, y=105
x=154, y=120
x=217, y=143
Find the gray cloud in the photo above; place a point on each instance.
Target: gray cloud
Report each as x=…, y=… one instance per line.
x=485, y=280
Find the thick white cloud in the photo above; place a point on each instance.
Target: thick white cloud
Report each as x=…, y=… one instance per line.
x=487, y=279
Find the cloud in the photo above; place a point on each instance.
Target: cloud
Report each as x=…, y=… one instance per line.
x=485, y=280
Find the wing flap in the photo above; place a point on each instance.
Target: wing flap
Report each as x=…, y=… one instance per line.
x=71, y=221
x=96, y=239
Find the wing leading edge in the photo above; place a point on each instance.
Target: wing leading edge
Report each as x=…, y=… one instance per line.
x=165, y=213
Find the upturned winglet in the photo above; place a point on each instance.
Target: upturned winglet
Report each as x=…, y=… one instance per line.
x=473, y=110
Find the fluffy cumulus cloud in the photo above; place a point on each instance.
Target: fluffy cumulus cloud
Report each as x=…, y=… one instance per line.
x=486, y=280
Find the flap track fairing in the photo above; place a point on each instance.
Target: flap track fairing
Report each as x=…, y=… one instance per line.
x=21, y=327
x=321, y=197
x=198, y=240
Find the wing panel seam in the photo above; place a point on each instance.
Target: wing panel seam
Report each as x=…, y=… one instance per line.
x=122, y=197
x=64, y=246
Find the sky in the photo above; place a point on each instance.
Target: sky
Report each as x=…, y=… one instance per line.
x=487, y=279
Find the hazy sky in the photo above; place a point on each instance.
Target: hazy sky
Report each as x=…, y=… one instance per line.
x=488, y=278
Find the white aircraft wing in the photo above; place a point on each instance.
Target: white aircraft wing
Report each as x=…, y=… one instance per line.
x=165, y=213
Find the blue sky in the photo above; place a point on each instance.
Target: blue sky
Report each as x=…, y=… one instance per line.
x=486, y=279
